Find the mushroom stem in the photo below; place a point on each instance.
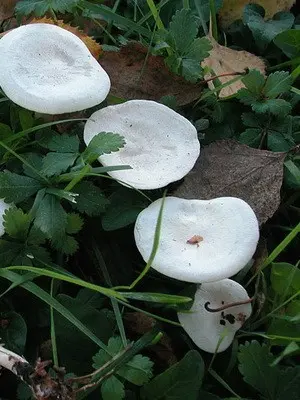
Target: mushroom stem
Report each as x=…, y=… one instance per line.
x=226, y=306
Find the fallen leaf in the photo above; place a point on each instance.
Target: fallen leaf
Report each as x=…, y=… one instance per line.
x=136, y=76
x=7, y=9
x=233, y=9
x=228, y=168
x=223, y=60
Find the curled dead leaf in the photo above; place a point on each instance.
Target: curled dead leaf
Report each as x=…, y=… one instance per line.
x=228, y=168
x=233, y=9
x=223, y=60
x=134, y=75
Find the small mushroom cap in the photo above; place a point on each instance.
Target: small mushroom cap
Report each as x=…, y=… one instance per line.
x=205, y=328
x=200, y=240
x=47, y=69
x=3, y=207
x=161, y=145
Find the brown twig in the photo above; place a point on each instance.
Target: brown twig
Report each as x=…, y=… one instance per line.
x=226, y=306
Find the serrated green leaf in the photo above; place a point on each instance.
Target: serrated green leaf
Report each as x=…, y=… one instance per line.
x=9, y=251
x=199, y=49
x=276, y=141
x=15, y=188
x=39, y=253
x=103, y=143
x=250, y=119
x=36, y=236
x=274, y=106
x=138, y=371
x=254, y=81
x=91, y=199
x=67, y=245
x=112, y=389
x=250, y=137
x=56, y=163
x=40, y=7
x=36, y=161
x=61, y=143
x=191, y=70
x=277, y=83
x=254, y=364
x=174, y=383
x=183, y=30
x=16, y=223
x=14, y=334
x=289, y=42
x=51, y=218
x=285, y=278
x=74, y=223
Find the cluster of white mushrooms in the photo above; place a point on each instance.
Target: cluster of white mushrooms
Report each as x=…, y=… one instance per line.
x=49, y=70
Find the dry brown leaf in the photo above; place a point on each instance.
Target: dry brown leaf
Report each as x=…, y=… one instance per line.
x=223, y=60
x=233, y=9
x=228, y=168
x=7, y=8
x=132, y=80
x=90, y=43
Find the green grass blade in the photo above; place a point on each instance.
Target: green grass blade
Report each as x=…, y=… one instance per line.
x=68, y=278
x=156, y=297
x=52, y=329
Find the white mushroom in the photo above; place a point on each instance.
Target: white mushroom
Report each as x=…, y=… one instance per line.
x=47, y=69
x=206, y=326
x=161, y=145
x=200, y=240
x=3, y=207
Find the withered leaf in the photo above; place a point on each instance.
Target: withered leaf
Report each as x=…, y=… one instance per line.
x=135, y=76
x=228, y=168
x=223, y=60
x=233, y=9
x=7, y=9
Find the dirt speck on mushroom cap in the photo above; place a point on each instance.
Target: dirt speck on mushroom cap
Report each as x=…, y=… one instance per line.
x=228, y=226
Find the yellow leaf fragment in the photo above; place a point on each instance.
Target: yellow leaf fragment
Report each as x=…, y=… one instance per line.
x=223, y=60
x=233, y=9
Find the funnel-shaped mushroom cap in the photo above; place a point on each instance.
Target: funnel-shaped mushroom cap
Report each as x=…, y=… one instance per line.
x=200, y=240
x=161, y=145
x=47, y=69
x=3, y=207
x=206, y=327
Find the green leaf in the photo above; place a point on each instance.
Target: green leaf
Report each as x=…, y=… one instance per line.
x=13, y=331
x=51, y=218
x=137, y=371
x=9, y=251
x=199, y=49
x=123, y=209
x=40, y=7
x=254, y=364
x=191, y=70
x=36, y=161
x=74, y=223
x=16, y=223
x=289, y=384
x=26, y=119
x=56, y=163
x=175, y=383
x=156, y=297
x=112, y=389
x=15, y=188
x=264, y=31
x=24, y=392
x=254, y=81
x=274, y=106
x=289, y=42
x=5, y=131
x=183, y=30
x=61, y=143
x=103, y=143
x=285, y=278
x=251, y=137
x=291, y=174
x=67, y=244
x=91, y=199
x=277, y=83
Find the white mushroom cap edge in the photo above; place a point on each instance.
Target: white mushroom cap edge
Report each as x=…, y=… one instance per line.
x=200, y=240
x=48, y=69
x=161, y=145
x=3, y=207
x=206, y=328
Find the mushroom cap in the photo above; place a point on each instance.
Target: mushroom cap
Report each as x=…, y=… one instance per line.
x=3, y=207
x=161, y=145
x=47, y=69
x=200, y=240
x=205, y=328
